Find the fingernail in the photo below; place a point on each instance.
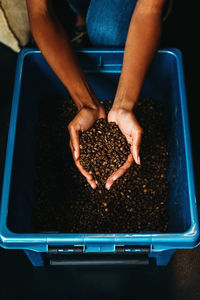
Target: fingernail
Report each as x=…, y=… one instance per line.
x=93, y=186
x=138, y=160
x=108, y=187
x=76, y=154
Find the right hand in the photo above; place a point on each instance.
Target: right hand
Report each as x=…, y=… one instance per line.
x=132, y=130
x=85, y=119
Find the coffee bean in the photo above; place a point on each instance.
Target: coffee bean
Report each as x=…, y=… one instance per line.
x=110, y=140
x=65, y=201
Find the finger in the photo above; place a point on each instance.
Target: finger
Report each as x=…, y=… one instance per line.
x=92, y=183
x=83, y=171
x=74, y=139
x=88, y=176
x=135, y=147
x=119, y=172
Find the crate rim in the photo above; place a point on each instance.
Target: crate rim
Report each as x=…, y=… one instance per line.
x=40, y=241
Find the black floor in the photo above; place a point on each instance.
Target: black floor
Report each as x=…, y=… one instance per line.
x=179, y=280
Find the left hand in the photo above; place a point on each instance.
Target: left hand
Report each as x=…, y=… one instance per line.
x=130, y=127
x=85, y=119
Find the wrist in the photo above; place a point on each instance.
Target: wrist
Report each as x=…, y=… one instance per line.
x=96, y=109
x=93, y=105
x=116, y=114
x=87, y=101
x=123, y=102
x=123, y=105
x=82, y=93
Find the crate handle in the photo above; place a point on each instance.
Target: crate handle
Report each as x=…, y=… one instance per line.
x=101, y=259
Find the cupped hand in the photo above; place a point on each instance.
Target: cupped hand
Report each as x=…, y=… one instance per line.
x=130, y=127
x=85, y=119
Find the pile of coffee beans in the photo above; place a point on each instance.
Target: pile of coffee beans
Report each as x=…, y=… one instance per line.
x=103, y=150
x=65, y=202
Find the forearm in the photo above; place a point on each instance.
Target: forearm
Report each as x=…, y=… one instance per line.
x=57, y=50
x=141, y=44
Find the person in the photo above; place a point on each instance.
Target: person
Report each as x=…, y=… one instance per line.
x=133, y=24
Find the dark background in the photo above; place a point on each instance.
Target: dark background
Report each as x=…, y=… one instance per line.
x=181, y=278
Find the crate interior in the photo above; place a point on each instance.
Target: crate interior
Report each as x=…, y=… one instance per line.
x=39, y=82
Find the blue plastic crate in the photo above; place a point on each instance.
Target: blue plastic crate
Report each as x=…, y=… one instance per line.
x=35, y=81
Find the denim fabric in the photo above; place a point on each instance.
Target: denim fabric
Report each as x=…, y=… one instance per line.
x=107, y=20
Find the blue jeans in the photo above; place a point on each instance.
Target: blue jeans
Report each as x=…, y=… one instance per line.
x=107, y=20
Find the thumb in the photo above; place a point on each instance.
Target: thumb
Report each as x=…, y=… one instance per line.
x=74, y=134
x=135, y=147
